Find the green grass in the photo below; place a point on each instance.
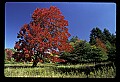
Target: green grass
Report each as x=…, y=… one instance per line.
x=47, y=70
x=107, y=72
x=39, y=72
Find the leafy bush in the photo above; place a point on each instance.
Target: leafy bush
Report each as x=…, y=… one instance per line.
x=8, y=55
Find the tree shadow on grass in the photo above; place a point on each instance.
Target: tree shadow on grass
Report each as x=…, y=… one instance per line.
x=85, y=69
x=24, y=66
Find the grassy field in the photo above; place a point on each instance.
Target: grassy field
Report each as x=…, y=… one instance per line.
x=57, y=71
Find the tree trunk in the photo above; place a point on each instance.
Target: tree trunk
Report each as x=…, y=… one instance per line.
x=35, y=61
x=38, y=56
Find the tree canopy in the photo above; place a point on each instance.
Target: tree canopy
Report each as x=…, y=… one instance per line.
x=47, y=30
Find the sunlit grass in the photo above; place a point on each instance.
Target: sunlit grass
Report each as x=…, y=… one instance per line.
x=51, y=71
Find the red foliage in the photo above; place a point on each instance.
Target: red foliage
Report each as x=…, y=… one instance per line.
x=57, y=59
x=40, y=60
x=47, y=30
x=8, y=54
x=99, y=43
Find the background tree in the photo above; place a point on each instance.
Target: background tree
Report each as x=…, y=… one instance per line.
x=81, y=49
x=95, y=33
x=47, y=30
x=107, y=35
x=113, y=40
x=99, y=43
x=85, y=53
x=80, y=54
x=112, y=54
x=74, y=39
x=97, y=54
x=105, y=40
x=8, y=53
x=98, y=50
x=111, y=50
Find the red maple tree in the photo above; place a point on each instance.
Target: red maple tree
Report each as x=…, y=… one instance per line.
x=47, y=30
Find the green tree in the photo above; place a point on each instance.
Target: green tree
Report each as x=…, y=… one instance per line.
x=79, y=53
x=109, y=37
x=113, y=40
x=95, y=33
x=106, y=35
x=84, y=52
x=110, y=40
x=108, y=45
x=74, y=39
x=70, y=58
x=111, y=50
x=112, y=54
x=97, y=54
x=82, y=49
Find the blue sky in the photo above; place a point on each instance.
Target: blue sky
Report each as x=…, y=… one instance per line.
x=82, y=17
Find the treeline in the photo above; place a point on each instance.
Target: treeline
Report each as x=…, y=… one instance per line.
x=100, y=48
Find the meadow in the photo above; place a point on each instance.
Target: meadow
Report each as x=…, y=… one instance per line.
x=50, y=70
